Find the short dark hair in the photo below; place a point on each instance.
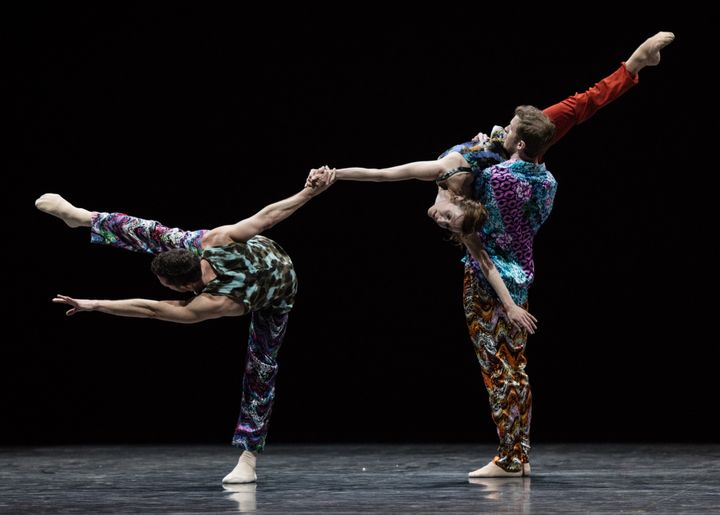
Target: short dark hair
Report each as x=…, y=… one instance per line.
x=178, y=267
x=535, y=129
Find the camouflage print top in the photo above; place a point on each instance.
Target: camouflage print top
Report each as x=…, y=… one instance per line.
x=257, y=273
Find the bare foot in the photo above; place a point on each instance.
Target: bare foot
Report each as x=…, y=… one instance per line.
x=648, y=54
x=54, y=204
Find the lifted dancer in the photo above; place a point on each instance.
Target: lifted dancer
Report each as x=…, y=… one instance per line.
x=504, y=173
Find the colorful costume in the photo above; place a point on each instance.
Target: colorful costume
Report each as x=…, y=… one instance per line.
x=257, y=273
x=519, y=197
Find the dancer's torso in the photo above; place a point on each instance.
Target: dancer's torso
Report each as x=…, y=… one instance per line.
x=257, y=273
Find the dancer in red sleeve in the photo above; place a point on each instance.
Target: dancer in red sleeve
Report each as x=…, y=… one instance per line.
x=494, y=194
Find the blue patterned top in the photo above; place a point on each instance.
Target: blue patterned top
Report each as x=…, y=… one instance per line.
x=518, y=196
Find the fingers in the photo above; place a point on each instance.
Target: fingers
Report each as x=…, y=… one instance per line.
x=313, y=177
x=321, y=177
x=530, y=324
x=331, y=176
x=525, y=322
x=481, y=138
x=64, y=299
x=523, y=325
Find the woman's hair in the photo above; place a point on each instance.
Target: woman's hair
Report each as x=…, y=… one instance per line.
x=178, y=267
x=474, y=216
x=535, y=129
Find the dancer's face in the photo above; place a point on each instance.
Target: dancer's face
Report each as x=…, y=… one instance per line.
x=447, y=215
x=511, y=138
x=164, y=282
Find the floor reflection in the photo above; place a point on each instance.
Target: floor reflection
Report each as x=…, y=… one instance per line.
x=243, y=495
x=571, y=478
x=512, y=492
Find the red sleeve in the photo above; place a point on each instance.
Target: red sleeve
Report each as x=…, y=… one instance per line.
x=581, y=106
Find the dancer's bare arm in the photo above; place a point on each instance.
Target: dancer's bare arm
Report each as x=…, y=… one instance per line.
x=269, y=215
x=202, y=307
x=517, y=315
x=421, y=170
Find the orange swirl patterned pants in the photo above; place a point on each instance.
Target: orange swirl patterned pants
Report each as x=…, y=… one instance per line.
x=500, y=349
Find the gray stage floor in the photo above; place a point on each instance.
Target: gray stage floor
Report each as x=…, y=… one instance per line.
x=572, y=478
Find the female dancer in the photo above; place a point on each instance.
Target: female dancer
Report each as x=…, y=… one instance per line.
x=504, y=173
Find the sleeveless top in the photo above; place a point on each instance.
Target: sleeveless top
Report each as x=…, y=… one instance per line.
x=258, y=273
x=478, y=155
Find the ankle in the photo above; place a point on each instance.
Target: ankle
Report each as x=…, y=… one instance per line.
x=249, y=457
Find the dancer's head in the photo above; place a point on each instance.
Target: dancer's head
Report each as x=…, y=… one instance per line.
x=457, y=214
x=177, y=269
x=529, y=133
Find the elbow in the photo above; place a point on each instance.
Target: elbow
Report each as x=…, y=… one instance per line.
x=376, y=175
x=150, y=311
x=185, y=320
x=258, y=226
x=265, y=224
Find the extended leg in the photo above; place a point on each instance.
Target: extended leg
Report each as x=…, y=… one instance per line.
x=140, y=235
x=53, y=204
x=121, y=230
x=648, y=54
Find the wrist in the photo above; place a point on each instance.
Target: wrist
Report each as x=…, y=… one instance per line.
x=307, y=192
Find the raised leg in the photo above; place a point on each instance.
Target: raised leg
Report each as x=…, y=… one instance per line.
x=648, y=54
x=53, y=204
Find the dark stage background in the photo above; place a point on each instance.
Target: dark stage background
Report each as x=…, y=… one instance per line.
x=201, y=117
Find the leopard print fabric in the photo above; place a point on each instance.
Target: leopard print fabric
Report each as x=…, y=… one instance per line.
x=257, y=273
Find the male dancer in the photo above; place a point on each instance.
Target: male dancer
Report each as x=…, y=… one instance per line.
x=232, y=270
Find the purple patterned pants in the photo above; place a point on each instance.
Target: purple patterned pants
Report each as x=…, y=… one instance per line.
x=267, y=327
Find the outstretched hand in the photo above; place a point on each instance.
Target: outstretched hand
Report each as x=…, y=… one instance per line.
x=521, y=319
x=77, y=304
x=320, y=179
